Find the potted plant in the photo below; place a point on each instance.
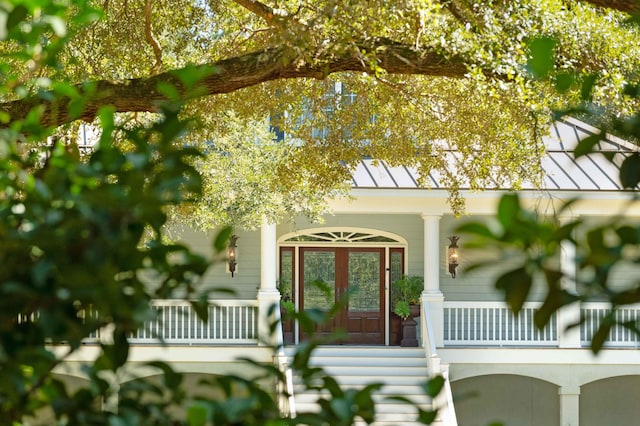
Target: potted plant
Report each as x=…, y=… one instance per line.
x=287, y=310
x=406, y=304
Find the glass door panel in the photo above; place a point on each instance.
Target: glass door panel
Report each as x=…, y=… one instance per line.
x=365, y=286
x=364, y=281
x=319, y=279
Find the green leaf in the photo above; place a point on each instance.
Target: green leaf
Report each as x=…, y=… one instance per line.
x=588, y=83
x=541, y=60
x=601, y=335
x=434, y=386
x=427, y=417
x=169, y=91
x=197, y=415
x=172, y=379
x=627, y=234
x=476, y=228
x=585, y=146
x=332, y=386
x=201, y=307
x=508, y=209
x=564, y=81
x=630, y=171
x=16, y=16
x=222, y=239
x=516, y=285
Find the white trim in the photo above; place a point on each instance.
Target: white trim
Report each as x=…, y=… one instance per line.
x=399, y=242
x=346, y=241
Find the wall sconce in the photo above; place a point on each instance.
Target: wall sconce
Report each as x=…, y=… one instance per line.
x=232, y=253
x=452, y=255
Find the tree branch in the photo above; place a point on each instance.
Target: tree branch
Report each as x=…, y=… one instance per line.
x=262, y=10
x=148, y=34
x=142, y=94
x=461, y=12
x=629, y=6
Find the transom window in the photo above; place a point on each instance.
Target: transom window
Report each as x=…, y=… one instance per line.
x=341, y=236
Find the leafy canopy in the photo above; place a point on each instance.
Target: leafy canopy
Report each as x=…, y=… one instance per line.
x=397, y=81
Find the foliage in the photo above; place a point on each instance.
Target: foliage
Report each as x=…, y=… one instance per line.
x=84, y=251
x=401, y=309
x=286, y=303
x=414, y=77
x=74, y=232
x=245, y=161
x=599, y=248
x=406, y=291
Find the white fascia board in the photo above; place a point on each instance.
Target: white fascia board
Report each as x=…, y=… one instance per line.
x=424, y=201
x=526, y=356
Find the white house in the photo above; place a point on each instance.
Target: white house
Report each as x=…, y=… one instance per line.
x=499, y=368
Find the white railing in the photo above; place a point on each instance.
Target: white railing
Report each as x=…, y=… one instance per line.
x=284, y=388
x=230, y=322
x=619, y=336
x=493, y=324
x=176, y=322
x=444, y=401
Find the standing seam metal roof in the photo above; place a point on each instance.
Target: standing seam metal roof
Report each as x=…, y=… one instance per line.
x=562, y=171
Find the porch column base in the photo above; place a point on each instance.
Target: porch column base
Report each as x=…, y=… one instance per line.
x=569, y=405
x=268, y=300
x=434, y=300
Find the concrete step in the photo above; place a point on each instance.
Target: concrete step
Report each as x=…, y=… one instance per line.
x=400, y=370
x=309, y=398
x=359, y=351
x=387, y=389
x=376, y=373
x=363, y=361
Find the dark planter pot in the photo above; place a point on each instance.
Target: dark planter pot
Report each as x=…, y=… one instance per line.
x=287, y=329
x=409, y=333
x=414, y=310
x=409, y=328
x=395, y=330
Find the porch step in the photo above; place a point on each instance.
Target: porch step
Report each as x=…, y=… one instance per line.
x=400, y=370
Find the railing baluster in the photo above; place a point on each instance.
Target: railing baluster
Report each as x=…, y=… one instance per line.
x=492, y=323
x=230, y=321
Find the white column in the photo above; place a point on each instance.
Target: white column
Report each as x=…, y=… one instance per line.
x=569, y=405
x=431, y=295
x=110, y=403
x=569, y=314
x=268, y=294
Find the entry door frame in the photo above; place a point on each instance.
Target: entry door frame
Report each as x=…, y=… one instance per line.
x=363, y=327
x=343, y=237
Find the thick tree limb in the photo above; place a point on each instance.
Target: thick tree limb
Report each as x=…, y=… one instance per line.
x=629, y=6
x=142, y=94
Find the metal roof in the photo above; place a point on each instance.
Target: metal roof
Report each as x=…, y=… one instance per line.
x=562, y=172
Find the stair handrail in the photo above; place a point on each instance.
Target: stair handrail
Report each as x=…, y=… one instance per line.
x=281, y=361
x=427, y=340
x=444, y=400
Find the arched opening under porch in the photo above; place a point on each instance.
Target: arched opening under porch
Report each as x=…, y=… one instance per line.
x=507, y=399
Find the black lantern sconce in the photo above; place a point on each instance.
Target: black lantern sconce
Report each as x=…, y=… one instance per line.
x=232, y=253
x=452, y=255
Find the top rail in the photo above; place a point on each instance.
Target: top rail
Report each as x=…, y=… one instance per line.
x=493, y=324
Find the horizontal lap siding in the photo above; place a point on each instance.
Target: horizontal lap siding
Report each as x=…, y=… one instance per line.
x=247, y=277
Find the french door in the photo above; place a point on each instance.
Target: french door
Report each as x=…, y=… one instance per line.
x=353, y=280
